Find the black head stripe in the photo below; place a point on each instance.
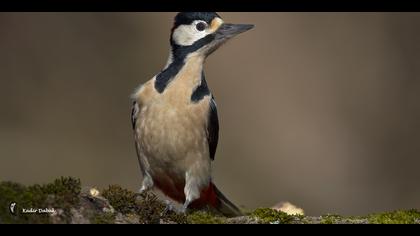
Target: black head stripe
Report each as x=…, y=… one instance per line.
x=166, y=76
x=179, y=54
x=186, y=18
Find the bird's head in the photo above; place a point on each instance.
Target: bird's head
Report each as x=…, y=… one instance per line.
x=201, y=33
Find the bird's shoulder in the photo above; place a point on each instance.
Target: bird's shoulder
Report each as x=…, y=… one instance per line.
x=144, y=92
x=142, y=95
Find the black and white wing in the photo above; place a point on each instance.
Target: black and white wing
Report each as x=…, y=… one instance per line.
x=134, y=113
x=135, y=110
x=212, y=128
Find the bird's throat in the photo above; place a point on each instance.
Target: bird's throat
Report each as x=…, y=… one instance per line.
x=190, y=73
x=185, y=73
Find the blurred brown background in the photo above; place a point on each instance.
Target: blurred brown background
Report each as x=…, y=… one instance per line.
x=319, y=109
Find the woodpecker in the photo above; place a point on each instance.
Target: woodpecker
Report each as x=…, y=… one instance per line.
x=174, y=116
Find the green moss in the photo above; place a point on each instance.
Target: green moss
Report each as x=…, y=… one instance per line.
x=204, y=217
x=150, y=209
x=103, y=218
x=330, y=219
x=62, y=194
x=121, y=199
x=301, y=219
x=175, y=217
x=395, y=217
x=147, y=205
x=267, y=216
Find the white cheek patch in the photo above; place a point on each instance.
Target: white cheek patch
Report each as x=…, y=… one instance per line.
x=186, y=35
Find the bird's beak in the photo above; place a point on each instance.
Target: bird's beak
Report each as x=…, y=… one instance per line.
x=227, y=31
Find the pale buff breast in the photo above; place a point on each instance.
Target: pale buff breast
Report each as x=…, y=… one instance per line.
x=171, y=131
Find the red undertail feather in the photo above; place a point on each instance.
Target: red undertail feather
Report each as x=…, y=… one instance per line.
x=210, y=196
x=213, y=197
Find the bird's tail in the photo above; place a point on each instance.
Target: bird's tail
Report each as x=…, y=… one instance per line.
x=223, y=205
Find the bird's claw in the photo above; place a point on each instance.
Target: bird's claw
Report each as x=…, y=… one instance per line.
x=141, y=193
x=168, y=208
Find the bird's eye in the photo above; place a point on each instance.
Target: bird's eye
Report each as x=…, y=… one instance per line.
x=201, y=26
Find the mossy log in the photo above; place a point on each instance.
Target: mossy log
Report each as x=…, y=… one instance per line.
x=64, y=201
